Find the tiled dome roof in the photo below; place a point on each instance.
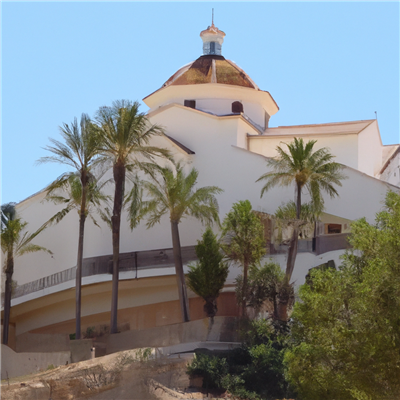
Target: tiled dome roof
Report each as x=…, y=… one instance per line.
x=211, y=69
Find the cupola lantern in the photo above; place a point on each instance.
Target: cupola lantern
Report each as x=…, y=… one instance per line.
x=212, y=40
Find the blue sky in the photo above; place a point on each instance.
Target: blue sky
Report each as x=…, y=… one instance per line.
x=322, y=62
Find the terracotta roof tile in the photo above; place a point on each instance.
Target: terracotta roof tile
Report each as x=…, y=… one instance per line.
x=201, y=71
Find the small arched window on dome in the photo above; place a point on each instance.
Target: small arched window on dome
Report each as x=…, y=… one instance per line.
x=237, y=107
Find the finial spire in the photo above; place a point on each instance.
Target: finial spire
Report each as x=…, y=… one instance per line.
x=212, y=18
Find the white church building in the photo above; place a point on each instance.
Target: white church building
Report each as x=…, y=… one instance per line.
x=217, y=120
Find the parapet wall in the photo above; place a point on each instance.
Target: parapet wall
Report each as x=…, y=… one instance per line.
x=224, y=329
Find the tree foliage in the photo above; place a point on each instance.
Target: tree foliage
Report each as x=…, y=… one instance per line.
x=302, y=167
x=15, y=242
x=308, y=213
x=347, y=324
x=264, y=284
x=173, y=192
x=255, y=371
x=79, y=150
x=207, y=277
x=243, y=239
x=124, y=142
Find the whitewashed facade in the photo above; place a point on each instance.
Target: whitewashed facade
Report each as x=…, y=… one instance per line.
x=217, y=120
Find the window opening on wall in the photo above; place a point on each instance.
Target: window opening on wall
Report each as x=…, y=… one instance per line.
x=237, y=107
x=333, y=228
x=190, y=103
x=212, y=47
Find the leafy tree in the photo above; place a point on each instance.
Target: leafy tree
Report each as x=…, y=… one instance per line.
x=207, y=277
x=254, y=371
x=124, y=142
x=263, y=285
x=347, y=325
x=305, y=169
x=14, y=243
x=243, y=240
x=172, y=192
x=78, y=150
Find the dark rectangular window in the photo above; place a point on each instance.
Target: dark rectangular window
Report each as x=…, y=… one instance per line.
x=190, y=103
x=334, y=228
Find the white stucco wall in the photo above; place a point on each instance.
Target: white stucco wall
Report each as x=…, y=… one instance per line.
x=392, y=171
x=216, y=98
x=370, y=150
x=222, y=160
x=344, y=147
x=220, y=163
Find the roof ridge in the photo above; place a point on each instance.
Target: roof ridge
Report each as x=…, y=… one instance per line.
x=325, y=123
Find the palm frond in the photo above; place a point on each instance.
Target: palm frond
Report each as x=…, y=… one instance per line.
x=32, y=248
x=304, y=167
x=172, y=191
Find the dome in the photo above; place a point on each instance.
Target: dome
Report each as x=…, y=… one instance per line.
x=211, y=68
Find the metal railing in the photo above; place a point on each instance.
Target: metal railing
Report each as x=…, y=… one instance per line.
x=132, y=261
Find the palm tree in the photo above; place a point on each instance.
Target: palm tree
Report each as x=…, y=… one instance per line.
x=14, y=243
x=173, y=192
x=78, y=151
x=304, y=168
x=125, y=134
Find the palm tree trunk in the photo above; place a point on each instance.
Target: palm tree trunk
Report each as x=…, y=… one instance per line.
x=78, y=284
x=292, y=251
x=7, y=295
x=180, y=276
x=285, y=290
x=298, y=202
x=119, y=178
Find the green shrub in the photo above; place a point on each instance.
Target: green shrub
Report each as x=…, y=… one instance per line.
x=211, y=368
x=254, y=371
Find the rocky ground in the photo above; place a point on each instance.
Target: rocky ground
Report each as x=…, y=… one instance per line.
x=119, y=376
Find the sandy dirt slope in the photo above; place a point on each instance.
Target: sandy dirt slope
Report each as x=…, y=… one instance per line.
x=117, y=376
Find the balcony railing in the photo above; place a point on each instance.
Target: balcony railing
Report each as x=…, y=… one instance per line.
x=331, y=242
x=321, y=244
x=132, y=261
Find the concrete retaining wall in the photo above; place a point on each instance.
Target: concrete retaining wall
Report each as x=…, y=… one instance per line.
x=42, y=343
x=80, y=349
x=11, y=335
x=224, y=329
x=17, y=364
